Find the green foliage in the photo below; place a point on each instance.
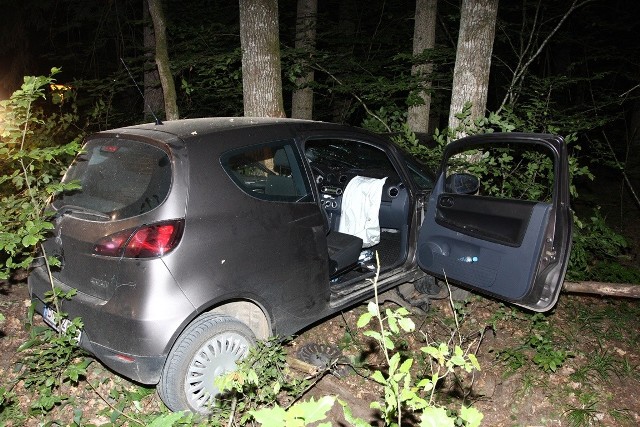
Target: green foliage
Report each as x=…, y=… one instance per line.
x=521, y=175
x=31, y=161
x=259, y=387
x=606, y=271
x=506, y=172
x=172, y=419
x=401, y=391
x=51, y=358
x=262, y=378
x=585, y=414
x=392, y=120
x=602, y=368
x=547, y=356
x=608, y=322
x=539, y=348
x=298, y=414
x=205, y=58
x=601, y=365
x=255, y=387
x=127, y=401
x=594, y=240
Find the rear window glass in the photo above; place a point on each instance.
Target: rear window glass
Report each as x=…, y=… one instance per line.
x=119, y=178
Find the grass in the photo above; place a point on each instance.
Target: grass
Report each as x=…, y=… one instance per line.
x=582, y=391
x=609, y=322
x=585, y=415
x=602, y=335
x=601, y=365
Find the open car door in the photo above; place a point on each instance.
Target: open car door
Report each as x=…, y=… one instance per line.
x=510, y=236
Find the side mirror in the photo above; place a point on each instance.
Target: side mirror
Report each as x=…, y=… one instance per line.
x=462, y=183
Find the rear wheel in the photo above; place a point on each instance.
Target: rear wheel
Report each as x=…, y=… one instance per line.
x=208, y=348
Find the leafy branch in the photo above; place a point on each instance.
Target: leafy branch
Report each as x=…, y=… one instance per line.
x=31, y=163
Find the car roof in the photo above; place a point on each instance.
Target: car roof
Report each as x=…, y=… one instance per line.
x=186, y=129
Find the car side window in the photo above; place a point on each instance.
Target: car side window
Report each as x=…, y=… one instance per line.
x=423, y=181
x=269, y=172
x=509, y=171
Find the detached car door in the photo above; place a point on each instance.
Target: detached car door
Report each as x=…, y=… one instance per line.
x=510, y=236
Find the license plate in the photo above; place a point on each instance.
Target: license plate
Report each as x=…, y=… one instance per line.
x=49, y=317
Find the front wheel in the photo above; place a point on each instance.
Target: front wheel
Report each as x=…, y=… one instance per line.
x=208, y=348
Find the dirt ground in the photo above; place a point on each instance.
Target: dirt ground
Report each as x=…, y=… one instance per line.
x=527, y=396
x=588, y=328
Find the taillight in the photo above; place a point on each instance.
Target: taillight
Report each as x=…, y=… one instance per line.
x=148, y=241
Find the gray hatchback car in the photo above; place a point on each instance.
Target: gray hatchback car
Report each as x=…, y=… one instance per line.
x=192, y=239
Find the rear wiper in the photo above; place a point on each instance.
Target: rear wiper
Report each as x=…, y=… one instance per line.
x=72, y=209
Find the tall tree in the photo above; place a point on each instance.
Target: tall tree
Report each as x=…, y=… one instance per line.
x=302, y=100
x=424, y=37
x=153, y=97
x=162, y=60
x=473, y=58
x=261, y=78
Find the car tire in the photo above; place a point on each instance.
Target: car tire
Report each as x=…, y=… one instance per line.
x=209, y=347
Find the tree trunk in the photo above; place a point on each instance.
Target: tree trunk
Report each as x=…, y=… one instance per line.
x=424, y=37
x=302, y=100
x=628, y=290
x=162, y=60
x=261, y=79
x=473, y=59
x=153, y=97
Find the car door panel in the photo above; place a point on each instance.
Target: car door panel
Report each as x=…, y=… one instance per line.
x=482, y=258
x=502, y=221
x=514, y=250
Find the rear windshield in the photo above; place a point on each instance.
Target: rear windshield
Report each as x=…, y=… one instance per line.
x=118, y=178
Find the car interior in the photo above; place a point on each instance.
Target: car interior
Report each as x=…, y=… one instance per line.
x=335, y=163
x=270, y=172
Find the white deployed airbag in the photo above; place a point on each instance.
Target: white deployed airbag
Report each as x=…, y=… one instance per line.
x=360, y=209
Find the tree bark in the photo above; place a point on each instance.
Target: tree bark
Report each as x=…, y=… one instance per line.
x=261, y=78
x=162, y=60
x=153, y=97
x=473, y=59
x=424, y=37
x=628, y=290
x=302, y=99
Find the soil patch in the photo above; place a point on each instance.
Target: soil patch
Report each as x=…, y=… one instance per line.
x=596, y=382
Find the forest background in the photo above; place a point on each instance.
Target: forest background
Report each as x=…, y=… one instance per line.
x=567, y=67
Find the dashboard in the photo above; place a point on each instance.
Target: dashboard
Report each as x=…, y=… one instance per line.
x=332, y=179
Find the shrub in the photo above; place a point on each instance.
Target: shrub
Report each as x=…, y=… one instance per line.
x=31, y=163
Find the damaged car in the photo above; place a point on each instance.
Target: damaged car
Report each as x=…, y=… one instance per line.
x=190, y=240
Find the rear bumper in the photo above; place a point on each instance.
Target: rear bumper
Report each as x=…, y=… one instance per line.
x=125, y=333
